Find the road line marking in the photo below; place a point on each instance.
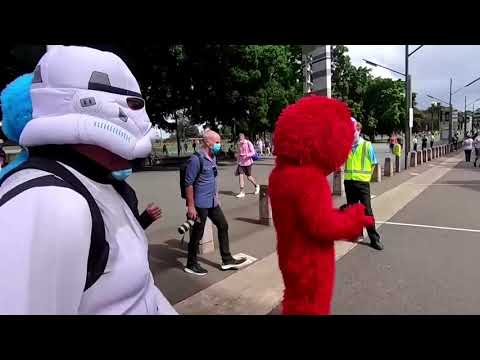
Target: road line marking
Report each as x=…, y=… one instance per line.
x=428, y=226
x=443, y=184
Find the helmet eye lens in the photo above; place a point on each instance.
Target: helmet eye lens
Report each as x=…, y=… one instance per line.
x=135, y=103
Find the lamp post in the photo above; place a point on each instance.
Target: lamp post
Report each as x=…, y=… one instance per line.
x=408, y=99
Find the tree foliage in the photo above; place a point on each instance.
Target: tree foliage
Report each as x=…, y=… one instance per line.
x=376, y=102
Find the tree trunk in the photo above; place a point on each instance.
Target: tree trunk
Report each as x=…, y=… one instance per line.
x=178, y=135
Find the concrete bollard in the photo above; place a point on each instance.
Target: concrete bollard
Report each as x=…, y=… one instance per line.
x=413, y=158
x=337, y=183
x=433, y=153
x=207, y=244
x=424, y=155
x=264, y=208
x=419, y=157
x=388, y=168
x=429, y=154
x=397, y=164
x=377, y=174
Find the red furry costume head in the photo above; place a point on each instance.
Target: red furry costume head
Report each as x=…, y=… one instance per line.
x=312, y=138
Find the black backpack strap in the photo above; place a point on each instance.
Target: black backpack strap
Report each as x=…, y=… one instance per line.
x=42, y=181
x=130, y=198
x=200, y=159
x=99, y=248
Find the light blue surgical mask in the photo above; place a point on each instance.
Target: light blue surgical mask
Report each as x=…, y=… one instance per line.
x=121, y=175
x=216, y=148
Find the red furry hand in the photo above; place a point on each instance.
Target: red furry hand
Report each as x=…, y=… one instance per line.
x=357, y=212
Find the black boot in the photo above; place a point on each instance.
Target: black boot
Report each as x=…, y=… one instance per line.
x=376, y=244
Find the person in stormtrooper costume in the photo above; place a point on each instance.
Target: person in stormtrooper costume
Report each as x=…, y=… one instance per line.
x=79, y=113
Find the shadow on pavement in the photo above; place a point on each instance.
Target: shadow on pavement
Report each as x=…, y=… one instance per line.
x=364, y=243
x=171, y=255
x=465, y=165
x=247, y=220
x=472, y=185
x=229, y=193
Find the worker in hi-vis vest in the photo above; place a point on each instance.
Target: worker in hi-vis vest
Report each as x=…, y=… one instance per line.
x=358, y=173
x=397, y=150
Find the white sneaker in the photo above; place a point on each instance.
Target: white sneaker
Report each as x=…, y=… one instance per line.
x=257, y=190
x=241, y=195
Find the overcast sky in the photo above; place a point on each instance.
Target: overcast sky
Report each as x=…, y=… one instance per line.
x=431, y=68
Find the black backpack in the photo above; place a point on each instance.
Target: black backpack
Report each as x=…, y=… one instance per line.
x=62, y=177
x=183, y=171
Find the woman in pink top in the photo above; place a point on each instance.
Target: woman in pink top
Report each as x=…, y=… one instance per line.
x=245, y=152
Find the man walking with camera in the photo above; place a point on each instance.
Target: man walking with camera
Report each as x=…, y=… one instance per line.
x=201, y=190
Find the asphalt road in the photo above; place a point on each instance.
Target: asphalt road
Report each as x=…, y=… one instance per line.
x=423, y=270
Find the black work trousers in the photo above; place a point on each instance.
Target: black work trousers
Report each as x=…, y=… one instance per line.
x=468, y=154
x=218, y=219
x=359, y=192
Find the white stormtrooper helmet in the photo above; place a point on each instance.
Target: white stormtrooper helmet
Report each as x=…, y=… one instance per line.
x=82, y=95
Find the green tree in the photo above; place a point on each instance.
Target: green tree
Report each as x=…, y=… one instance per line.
x=265, y=80
x=384, y=106
x=350, y=84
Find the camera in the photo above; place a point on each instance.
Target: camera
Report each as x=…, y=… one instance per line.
x=182, y=229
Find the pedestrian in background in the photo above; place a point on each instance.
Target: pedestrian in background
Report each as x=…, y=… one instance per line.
x=165, y=150
x=267, y=147
x=260, y=146
x=194, y=145
x=432, y=140
x=415, y=143
x=393, y=141
x=468, y=147
x=358, y=173
x=424, y=141
x=185, y=146
x=476, y=145
x=245, y=152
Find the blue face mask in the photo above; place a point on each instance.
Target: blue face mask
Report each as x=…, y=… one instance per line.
x=216, y=148
x=121, y=175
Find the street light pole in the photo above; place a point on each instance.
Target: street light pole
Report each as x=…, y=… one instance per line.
x=407, y=110
x=465, y=119
x=450, y=122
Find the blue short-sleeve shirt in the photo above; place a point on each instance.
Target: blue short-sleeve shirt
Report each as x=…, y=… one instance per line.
x=205, y=189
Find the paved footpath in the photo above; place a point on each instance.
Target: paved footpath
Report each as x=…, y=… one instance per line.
x=257, y=289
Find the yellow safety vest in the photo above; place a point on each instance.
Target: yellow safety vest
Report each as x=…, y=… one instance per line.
x=397, y=150
x=359, y=166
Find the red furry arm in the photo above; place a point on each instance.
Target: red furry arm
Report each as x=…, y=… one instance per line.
x=320, y=220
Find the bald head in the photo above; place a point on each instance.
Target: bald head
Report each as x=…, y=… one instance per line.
x=210, y=138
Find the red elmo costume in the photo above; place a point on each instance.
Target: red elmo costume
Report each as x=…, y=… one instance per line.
x=312, y=138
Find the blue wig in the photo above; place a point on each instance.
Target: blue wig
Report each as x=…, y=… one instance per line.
x=16, y=106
